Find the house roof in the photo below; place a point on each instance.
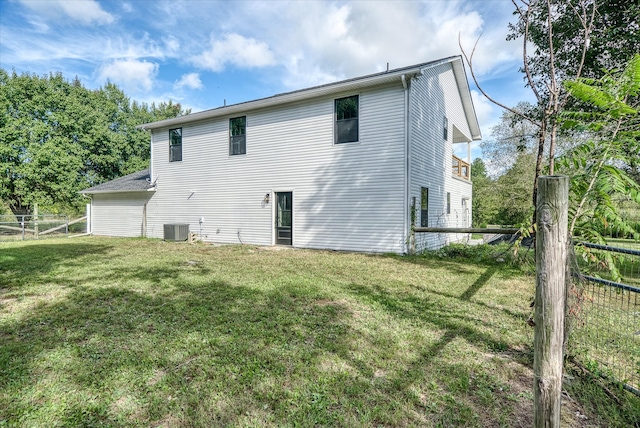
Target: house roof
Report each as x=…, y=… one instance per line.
x=136, y=182
x=330, y=88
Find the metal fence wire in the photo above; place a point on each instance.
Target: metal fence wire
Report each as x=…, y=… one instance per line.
x=603, y=314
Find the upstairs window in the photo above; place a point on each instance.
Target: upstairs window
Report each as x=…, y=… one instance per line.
x=346, y=126
x=424, y=207
x=175, y=145
x=445, y=128
x=448, y=202
x=238, y=135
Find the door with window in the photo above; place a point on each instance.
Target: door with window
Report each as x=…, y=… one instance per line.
x=284, y=218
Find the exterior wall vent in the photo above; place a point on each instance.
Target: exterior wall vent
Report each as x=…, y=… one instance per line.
x=176, y=232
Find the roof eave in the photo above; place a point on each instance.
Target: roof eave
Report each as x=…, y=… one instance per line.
x=95, y=192
x=465, y=95
x=343, y=86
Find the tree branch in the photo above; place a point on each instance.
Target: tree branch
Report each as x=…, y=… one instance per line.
x=524, y=16
x=469, y=59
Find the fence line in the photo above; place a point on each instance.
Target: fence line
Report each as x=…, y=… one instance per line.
x=603, y=307
x=457, y=218
x=23, y=227
x=603, y=314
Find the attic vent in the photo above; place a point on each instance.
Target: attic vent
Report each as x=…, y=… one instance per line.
x=176, y=232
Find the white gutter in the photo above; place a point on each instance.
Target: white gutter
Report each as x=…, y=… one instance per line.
x=97, y=192
x=387, y=77
x=151, y=159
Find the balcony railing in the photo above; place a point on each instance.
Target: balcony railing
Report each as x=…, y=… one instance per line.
x=461, y=168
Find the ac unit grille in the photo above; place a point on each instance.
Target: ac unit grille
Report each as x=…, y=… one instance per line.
x=176, y=232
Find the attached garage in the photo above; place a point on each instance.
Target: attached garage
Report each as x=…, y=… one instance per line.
x=119, y=207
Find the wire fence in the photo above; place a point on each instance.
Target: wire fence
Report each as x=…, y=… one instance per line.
x=603, y=316
x=28, y=227
x=603, y=298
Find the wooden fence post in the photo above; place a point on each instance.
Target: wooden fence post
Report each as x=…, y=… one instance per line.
x=551, y=256
x=36, y=226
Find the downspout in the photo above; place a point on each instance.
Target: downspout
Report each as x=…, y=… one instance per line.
x=150, y=156
x=407, y=166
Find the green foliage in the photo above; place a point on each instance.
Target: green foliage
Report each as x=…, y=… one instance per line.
x=58, y=137
x=483, y=203
x=613, y=37
x=504, y=200
x=599, y=168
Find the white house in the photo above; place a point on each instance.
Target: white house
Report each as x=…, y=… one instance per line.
x=344, y=166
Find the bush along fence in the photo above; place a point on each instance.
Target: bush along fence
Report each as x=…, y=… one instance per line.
x=24, y=227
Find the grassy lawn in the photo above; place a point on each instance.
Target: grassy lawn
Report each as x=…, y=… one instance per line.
x=127, y=332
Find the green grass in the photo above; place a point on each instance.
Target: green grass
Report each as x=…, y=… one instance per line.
x=130, y=332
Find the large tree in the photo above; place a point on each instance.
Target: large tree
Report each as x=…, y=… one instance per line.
x=570, y=39
x=58, y=137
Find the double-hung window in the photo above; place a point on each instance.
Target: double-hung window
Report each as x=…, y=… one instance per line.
x=445, y=128
x=238, y=135
x=346, y=114
x=424, y=207
x=175, y=145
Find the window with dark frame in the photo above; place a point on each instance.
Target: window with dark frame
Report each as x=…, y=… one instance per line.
x=448, y=203
x=445, y=128
x=175, y=145
x=424, y=207
x=238, y=135
x=346, y=114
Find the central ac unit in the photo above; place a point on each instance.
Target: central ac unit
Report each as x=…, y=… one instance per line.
x=176, y=232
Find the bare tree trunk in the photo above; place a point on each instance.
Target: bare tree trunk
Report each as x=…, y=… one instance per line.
x=539, y=158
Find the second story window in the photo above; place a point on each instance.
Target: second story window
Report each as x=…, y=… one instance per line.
x=445, y=128
x=346, y=126
x=238, y=135
x=175, y=145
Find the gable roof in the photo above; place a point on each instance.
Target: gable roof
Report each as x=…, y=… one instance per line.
x=330, y=88
x=139, y=181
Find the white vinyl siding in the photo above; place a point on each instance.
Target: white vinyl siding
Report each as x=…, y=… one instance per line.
x=118, y=214
x=433, y=97
x=345, y=197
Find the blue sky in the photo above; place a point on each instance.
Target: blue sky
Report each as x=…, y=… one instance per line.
x=201, y=53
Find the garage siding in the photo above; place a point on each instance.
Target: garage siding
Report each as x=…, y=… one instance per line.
x=118, y=214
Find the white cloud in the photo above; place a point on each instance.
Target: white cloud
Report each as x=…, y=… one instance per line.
x=86, y=12
x=190, y=80
x=304, y=43
x=133, y=75
x=236, y=50
x=316, y=42
x=485, y=111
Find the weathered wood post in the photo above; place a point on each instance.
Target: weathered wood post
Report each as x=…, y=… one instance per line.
x=551, y=257
x=36, y=226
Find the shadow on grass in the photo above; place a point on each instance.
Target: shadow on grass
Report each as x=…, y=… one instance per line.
x=195, y=350
x=207, y=354
x=34, y=261
x=455, y=321
x=464, y=264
